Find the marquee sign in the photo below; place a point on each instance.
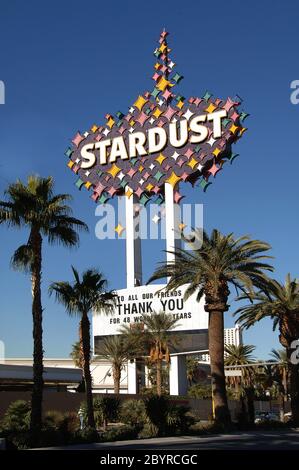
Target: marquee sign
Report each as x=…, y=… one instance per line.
x=132, y=303
x=163, y=138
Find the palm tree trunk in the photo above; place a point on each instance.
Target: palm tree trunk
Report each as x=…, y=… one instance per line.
x=37, y=311
x=216, y=349
x=85, y=327
x=294, y=392
x=159, y=377
x=116, y=378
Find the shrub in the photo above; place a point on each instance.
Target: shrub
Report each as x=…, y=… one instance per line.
x=106, y=409
x=200, y=391
x=17, y=417
x=156, y=408
x=86, y=435
x=178, y=418
x=133, y=412
x=148, y=430
x=165, y=417
x=120, y=433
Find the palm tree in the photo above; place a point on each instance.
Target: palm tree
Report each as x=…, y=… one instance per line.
x=280, y=303
x=282, y=370
x=118, y=349
x=192, y=370
x=80, y=298
x=221, y=260
x=153, y=333
x=241, y=355
x=35, y=207
x=76, y=355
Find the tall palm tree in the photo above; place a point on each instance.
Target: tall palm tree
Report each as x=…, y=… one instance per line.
x=118, y=349
x=79, y=298
x=153, y=333
x=280, y=303
x=46, y=215
x=221, y=260
x=76, y=355
x=282, y=370
x=192, y=370
x=241, y=355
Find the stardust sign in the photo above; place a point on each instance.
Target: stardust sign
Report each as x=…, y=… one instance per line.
x=132, y=304
x=162, y=138
x=175, y=135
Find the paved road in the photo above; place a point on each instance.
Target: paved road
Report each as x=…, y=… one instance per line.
x=254, y=440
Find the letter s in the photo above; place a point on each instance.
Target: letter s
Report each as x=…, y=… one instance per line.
x=87, y=155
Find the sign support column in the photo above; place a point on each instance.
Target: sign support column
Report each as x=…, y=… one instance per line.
x=133, y=243
x=134, y=269
x=178, y=371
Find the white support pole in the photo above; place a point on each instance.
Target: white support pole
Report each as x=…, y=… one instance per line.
x=133, y=244
x=132, y=377
x=134, y=269
x=177, y=372
x=178, y=384
x=172, y=221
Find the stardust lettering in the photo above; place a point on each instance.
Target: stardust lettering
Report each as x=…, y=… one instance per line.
x=157, y=138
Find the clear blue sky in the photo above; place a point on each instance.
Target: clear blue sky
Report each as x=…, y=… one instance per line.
x=66, y=64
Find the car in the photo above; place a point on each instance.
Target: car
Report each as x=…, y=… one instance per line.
x=264, y=416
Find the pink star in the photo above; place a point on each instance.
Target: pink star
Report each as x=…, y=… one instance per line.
x=197, y=101
x=138, y=192
x=112, y=191
x=156, y=77
x=228, y=104
x=214, y=170
x=121, y=130
x=189, y=152
x=131, y=172
x=234, y=116
x=77, y=139
x=177, y=197
x=169, y=113
x=142, y=118
x=167, y=94
x=184, y=176
x=99, y=189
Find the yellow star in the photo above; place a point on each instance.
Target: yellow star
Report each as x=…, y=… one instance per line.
x=241, y=132
x=71, y=164
x=216, y=152
x=210, y=108
x=161, y=158
x=88, y=184
x=192, y=163
x=182, y=226
x=149, y=187
x=119, y=229
x=129, y=193
x=157, y=113
x=162, y=84
x=94, y=128
x=110, y=123
x=173, y=179
x=233, y=129
x=180, y=104
x=114, y=170
x=140, y=102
